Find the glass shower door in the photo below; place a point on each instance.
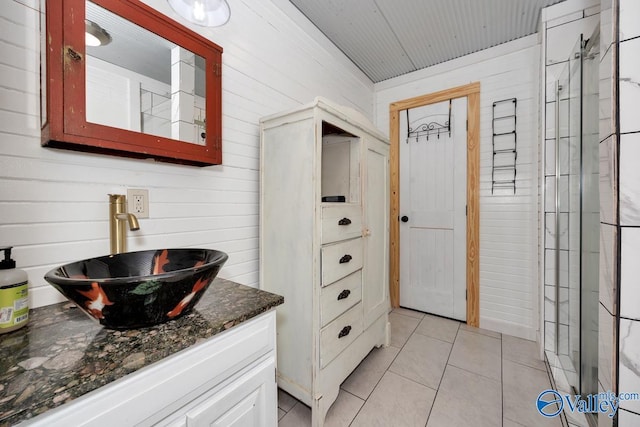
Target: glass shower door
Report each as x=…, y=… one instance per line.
x=572, y=336
x=568, y=219
x=573, y=354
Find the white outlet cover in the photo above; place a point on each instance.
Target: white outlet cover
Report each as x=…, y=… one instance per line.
x=132, y=194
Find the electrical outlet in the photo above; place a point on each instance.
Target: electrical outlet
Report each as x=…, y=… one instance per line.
x=138, y=202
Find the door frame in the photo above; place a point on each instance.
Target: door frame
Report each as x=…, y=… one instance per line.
x=472, y=92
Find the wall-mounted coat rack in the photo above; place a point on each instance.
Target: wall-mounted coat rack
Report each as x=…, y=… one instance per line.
x=428, y=125
x=505, y=145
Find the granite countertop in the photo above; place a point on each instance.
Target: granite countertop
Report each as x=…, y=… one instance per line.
x=62, y=354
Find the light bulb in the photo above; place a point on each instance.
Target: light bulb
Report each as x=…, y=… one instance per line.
x=199, y=13
x=208, y=13
x=91, y=40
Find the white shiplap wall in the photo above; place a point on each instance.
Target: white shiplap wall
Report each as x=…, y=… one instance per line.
x=53, y=203
x=508, y=223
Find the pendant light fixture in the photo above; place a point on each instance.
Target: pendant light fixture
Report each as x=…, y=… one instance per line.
x=207, y=13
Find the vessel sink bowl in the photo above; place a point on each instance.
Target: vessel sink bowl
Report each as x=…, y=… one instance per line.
x=138, y=289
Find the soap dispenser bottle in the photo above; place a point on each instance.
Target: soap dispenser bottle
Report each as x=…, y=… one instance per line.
x=14, y=294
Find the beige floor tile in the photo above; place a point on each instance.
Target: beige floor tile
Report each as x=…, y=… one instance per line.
x=521, y=387
x=467, y=399
x=343, y=410
x=396, y=401
x=392, y=386
x=408, y=312
x=298, y=416
x=487, y=332
x=522, y=351
x=423, y=360
x=364, y=378
x=401, y=328
x=604, y=420
x=286, y=401
x=438, y=327
x=506, y=422
x=477, y=353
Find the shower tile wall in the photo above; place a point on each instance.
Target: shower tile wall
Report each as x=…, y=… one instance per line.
x=619, y=184
x=628, y=221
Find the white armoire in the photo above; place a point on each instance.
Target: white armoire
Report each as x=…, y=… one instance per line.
x=324, y=245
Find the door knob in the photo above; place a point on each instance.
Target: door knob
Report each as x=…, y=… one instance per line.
x=404, y=218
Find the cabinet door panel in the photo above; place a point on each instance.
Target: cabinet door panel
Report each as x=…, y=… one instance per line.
x=243, y=403
x=375, y=286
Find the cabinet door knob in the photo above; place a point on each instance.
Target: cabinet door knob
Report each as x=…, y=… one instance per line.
x=344, y=332
x=344, y=221
x=344, y=294
x=345, y=259
x=404, y=218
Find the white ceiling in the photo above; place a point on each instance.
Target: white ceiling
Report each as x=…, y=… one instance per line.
x=388, y=38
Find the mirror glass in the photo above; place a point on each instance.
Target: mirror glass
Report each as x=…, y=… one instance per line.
x=139, y=81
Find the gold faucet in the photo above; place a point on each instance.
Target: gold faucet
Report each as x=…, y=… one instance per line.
x=118, y=217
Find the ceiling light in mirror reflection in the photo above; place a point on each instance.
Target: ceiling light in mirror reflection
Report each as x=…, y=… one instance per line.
x=95, y=35
x=207, y=13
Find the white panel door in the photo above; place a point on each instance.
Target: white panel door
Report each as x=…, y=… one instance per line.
x=433, y=213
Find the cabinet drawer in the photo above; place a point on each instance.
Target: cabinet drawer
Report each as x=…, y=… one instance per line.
x=341, y=222
x=336, y=298
x=340, y=259
x=337, y=335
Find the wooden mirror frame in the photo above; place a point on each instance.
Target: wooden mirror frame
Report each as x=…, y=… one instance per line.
x=65, y=124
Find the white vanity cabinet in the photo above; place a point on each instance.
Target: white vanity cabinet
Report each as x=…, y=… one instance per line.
x=324, y=229
x=228, y=380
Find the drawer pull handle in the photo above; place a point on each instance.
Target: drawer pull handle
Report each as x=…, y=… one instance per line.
x=345, y=259
x=344, y=221
x=344, y=294
x=344, y=332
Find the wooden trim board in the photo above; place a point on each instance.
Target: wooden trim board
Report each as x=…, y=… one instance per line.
x=472, y=93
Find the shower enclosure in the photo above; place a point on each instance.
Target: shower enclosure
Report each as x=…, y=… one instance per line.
x=572, y=227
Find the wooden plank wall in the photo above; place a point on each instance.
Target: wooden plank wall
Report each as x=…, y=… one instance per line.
x=508, y=224
x=53, y=203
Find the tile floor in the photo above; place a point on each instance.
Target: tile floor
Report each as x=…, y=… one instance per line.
x=437, y=372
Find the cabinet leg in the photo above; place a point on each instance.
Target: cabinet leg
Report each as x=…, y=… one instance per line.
x=387, y=334
x=385, y=339
x=321, y=407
